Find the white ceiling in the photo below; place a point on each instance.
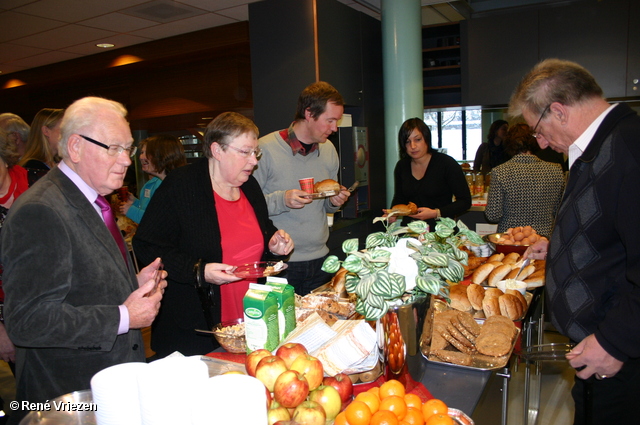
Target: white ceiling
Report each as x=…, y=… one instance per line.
x=34, y=33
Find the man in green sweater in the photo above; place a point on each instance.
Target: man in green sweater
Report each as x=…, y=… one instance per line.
x=295, y=153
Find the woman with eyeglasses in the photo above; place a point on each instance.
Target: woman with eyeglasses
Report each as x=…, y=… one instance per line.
x=158, y=156
x=206, y=218
x=525, y=190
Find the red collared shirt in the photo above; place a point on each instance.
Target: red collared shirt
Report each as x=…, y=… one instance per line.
x=292, y=140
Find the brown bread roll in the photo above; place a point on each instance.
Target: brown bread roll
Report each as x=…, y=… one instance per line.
x=523, y=274
x=510, y=306
x=481, y=273
x=511, y=258
x=498, y=256
x=459, y=298
x=491, y=306
x=475, y=293
x=327, y=185
x=492, y=292
x=520, y=297
x=498, y=274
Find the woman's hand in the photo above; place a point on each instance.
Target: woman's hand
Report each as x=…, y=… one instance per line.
x=391, y=219
x=425, y=214
x=219, y=274
x=280, y=243
x=124, y=206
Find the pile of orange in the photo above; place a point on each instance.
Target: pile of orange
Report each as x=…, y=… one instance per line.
x=389, y=404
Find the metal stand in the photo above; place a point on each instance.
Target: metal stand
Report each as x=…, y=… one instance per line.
x=533, y=334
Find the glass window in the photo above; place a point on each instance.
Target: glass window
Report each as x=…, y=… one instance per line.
x=456, y=133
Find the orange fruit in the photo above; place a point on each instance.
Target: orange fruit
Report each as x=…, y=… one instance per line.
x=391, y=387
x=414, y=416
x=374, y=390
x=395, y=404
x=370, y=399
x=440, y=419
x=358, y=413
x=403, y=423
x=341, y=419
x=413, y=400
x=384, y=417
x=434, y=407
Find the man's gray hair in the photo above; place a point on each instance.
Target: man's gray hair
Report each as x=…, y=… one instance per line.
x=83, y=114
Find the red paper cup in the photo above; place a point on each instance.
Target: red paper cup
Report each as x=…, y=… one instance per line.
x=307, y=184
x=123, y=194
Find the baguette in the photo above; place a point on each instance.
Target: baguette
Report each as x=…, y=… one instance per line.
x=498, y=274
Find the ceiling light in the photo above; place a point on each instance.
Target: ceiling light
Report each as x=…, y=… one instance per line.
x=105, y=45
x=13, y=83
x=125, y=60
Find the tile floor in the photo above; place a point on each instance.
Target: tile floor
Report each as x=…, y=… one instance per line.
x=556, y=405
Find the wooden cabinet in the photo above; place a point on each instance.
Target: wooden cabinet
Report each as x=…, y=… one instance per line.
x=441, y=65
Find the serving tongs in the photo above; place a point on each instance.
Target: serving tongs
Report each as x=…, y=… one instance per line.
x=354, y=186
x=547, y=352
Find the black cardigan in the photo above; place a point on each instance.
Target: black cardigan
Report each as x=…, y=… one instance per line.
x=180, y=225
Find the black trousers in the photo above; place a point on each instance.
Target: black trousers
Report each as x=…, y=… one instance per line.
x=614, y=400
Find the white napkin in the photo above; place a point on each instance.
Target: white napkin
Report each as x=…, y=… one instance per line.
x=167, y=387
x=115, y=392
x=230, y=399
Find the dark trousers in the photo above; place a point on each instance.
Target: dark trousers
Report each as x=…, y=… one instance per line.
x=614, y=400
x=305, y=276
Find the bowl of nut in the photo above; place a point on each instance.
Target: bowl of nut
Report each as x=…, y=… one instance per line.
x=230, y=335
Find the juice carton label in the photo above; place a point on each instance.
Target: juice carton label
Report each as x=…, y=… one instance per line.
x=286, y=304
x=261, y=318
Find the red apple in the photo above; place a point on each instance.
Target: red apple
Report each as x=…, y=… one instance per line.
x=289, y=351
x=269, y=397
x=309, y=413
x=343, y=384
x=329, y=398
x=268, y=370
x=311, y=368
x=290, y=389
x=277, y=413
x=254, y=358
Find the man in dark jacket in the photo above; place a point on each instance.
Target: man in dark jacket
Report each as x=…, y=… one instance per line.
x=593, y=263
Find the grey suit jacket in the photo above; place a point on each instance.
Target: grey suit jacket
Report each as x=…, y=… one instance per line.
x=64, y=278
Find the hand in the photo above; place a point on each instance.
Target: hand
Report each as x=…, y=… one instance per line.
x=590, y=353
x=280, y=243
x=7, y=349
x=424, y=214
x=149, y=273
x=124, y=206
x=219, y=274
x=143, y=305
x=537, y=251
x=296, y=198
x=339, y=199
x=391, y=219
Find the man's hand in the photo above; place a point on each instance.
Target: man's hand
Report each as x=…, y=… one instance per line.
x=149, y=272
x=7, y=349
x=280, y=243
x=296, y=198
x=339, y=199
x=537, y=251
x=143, y=309
x=589, y=353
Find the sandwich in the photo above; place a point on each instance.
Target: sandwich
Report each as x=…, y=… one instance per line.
x=327, y=186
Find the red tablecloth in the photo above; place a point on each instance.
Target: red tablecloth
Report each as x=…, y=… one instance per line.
x=411, y=385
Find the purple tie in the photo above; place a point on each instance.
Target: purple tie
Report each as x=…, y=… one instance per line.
x=110, y=221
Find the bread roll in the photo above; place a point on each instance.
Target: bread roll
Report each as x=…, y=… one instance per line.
x=482, y=272
x=402, y=209
x=326, y=185
x=523, y=274
x=511, y=258
x=535, y=280
x=520, y=297
x=510, y=306
x=498, y=274
x=491, y=306
x=498, y=256
x=337, y=283
x=475, y=293
x=492, y=293
x=459, y=298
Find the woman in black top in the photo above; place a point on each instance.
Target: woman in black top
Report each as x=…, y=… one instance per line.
x=432, y=180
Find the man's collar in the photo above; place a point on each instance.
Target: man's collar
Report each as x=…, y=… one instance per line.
x=292, y=140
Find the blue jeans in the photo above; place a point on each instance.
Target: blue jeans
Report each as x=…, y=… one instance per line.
x=306, y=276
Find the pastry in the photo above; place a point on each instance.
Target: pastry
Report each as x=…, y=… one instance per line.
x=493, y=343
x=454, y=357
x=469, y=323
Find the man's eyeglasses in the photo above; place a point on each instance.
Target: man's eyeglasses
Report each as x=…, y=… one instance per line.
x=247, y=153
x=112, y=150
x=534, y=133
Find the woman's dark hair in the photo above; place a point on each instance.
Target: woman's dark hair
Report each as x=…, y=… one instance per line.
x=495, y=126
x=164, y=152
x=519, y=139
x=405, y=131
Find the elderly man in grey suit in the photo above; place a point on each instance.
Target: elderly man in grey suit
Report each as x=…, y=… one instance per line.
x=74, y=304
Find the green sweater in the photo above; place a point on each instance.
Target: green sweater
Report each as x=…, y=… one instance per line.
x=278, y=171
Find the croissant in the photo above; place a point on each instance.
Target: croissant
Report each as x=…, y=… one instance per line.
x=402, y=209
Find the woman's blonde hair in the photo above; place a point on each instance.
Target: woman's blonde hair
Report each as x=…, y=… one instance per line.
x=38, y=147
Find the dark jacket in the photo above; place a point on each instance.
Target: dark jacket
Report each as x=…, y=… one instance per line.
x=180, y=225
x=64, y=278
x=593, y=265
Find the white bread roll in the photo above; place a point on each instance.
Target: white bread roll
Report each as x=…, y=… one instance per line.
x=498, y=274
x=481, y=273
x=498, y=256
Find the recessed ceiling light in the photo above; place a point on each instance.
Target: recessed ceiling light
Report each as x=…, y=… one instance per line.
x=105, y=45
